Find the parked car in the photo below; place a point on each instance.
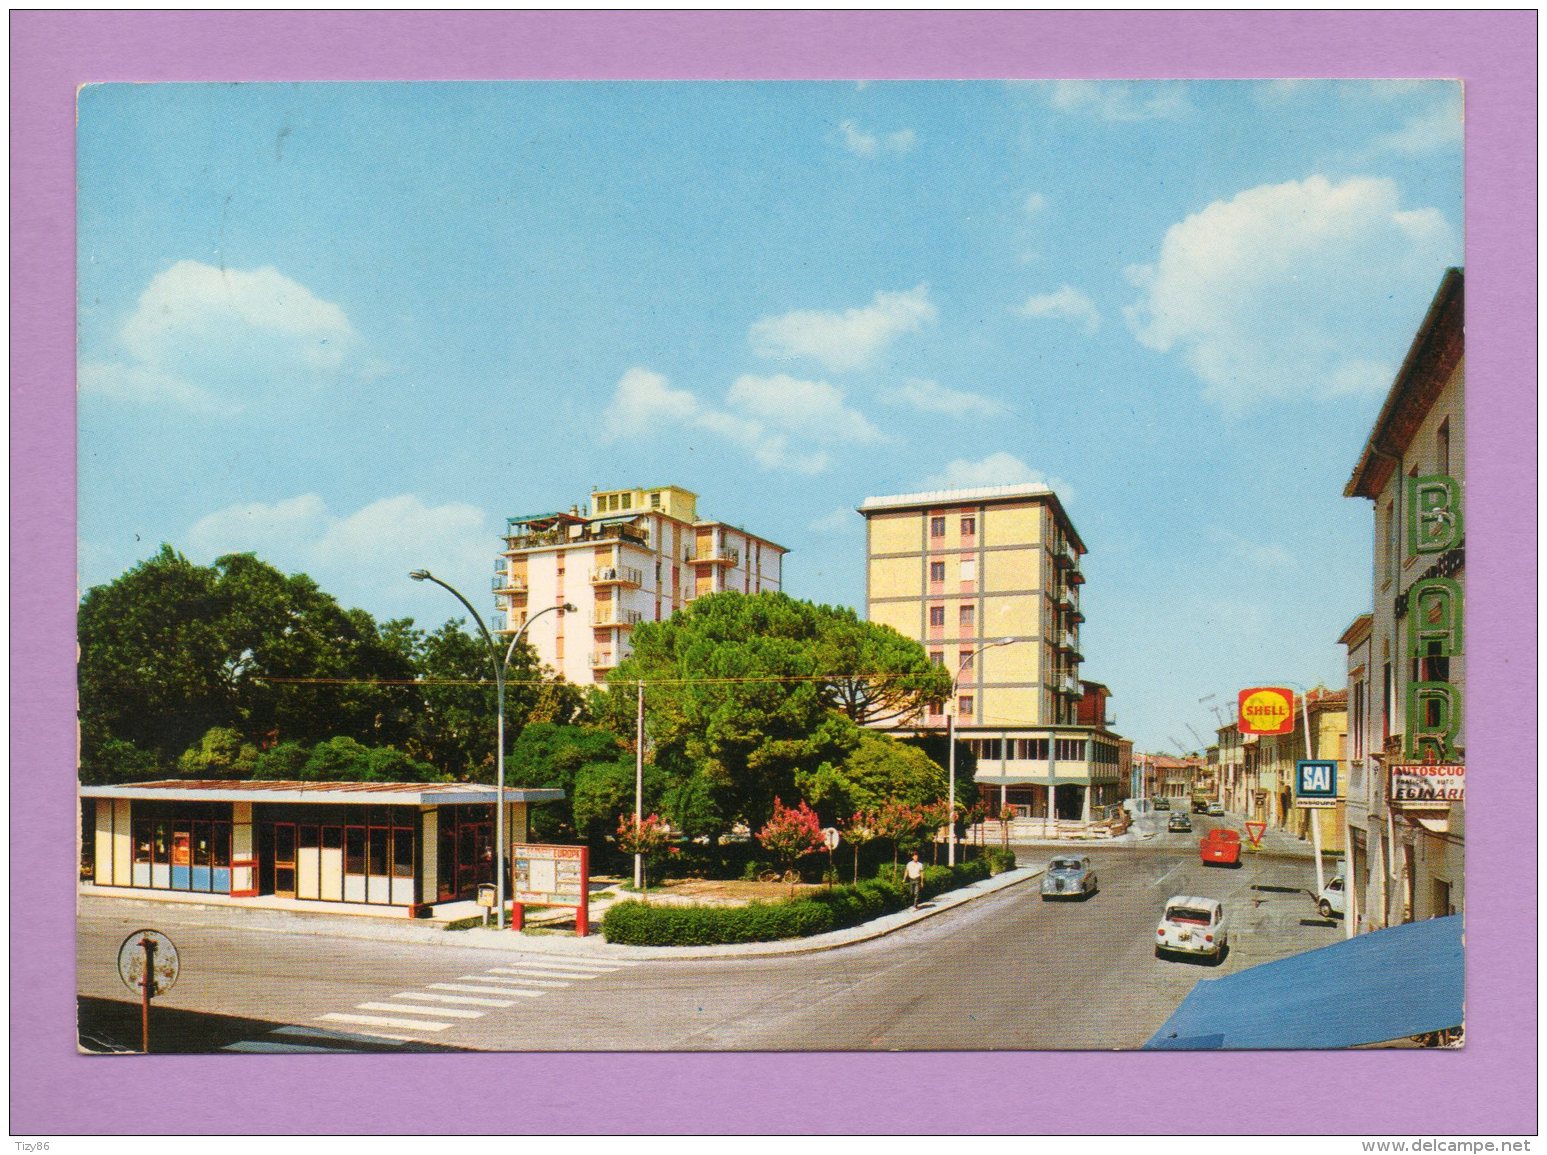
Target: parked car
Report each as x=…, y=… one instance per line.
x=1069, y=877
x=1162, y=804
x=1215, y=810
x=1199, y=805
x=1193, y=926
x=1333, y=899
x=1179, y=823
x=1220, y=846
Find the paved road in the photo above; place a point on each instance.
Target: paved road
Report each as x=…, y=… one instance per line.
x=1008, y=971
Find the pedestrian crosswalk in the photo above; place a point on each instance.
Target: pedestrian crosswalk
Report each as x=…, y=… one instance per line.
x=423, y=1013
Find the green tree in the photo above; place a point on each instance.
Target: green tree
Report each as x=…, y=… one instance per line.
x=552, y=755
x=285, y=762
x=872, y=673
x=733, y=698
x=604, y=795
x=171, y=650
x=879, y=769
x=221, y=753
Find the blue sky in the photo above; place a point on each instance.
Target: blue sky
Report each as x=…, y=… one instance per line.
x=351, y=328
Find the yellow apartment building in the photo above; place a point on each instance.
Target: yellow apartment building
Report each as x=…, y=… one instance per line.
x=634, y=555
x=988, y=581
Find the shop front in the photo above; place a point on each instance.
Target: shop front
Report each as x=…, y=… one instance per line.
x=407, y=845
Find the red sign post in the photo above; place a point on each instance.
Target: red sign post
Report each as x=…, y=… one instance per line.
x=551, y=876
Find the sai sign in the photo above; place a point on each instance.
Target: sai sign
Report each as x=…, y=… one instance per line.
x=1316, y=784
x=1267, y=710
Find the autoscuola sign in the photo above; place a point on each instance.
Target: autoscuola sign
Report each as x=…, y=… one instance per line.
x=1267, y=710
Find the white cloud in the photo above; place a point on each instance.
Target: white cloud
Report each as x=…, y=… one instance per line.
x=1034, y=204
x=1437, y=128
x=1292, y=289
x=996, y=469
x=930, y=397
x=786, y=423
x=839, y=520
x=644, y=401
x=142, y=385
x=214, y=338
x=1065, y=304
x=362, y=558
x=813, y=409
x=868, y=144
x=853, y=339
x=1121, y=100
x=1260, y=554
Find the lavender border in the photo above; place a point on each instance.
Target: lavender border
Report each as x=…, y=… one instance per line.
x=1489, y=1087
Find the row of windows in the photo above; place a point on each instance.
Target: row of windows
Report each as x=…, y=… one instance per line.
x=1035, y=749
x=966, y=571
x=969, y=526
x=966, y=616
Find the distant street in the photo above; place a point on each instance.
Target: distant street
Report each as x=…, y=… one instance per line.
x=1005, y=972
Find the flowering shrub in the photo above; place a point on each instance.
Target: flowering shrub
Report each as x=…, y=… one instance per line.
x=791, y=833
x=645, y=837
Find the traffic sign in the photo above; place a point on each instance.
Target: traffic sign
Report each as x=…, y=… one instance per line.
x=1254, y=832
x=1316, y=783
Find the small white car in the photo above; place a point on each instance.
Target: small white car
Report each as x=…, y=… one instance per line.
x=1333, y=899
x=1215, y=810
x=1193, y=926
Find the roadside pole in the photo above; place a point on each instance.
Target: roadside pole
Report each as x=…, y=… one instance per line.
x=1315, y=812
x=639, y=780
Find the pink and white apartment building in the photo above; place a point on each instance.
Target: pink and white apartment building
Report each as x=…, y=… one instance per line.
x=637, y=556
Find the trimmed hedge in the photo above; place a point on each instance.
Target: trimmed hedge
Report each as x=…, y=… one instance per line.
x=639, y=924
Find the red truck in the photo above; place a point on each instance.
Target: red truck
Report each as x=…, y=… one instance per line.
x=1221, y=846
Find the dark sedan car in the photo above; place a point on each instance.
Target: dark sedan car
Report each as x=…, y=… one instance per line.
x=1179, y=823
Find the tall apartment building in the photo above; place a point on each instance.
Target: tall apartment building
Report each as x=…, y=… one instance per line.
x=988, y=581
x=637, y=555
x=1407, y=656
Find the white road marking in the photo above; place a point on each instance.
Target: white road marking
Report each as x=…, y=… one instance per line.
x=484, y=990
x=546, y=980
x=378, y=1021
x=540, y=973
x=406, y=1009
x=1169, y=873
x=467, y=999
x=570, y=964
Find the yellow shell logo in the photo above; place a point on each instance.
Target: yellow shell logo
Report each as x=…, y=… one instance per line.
x=1267, y=710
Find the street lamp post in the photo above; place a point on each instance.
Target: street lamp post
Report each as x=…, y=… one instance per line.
x=950, y=724
x=500, y=667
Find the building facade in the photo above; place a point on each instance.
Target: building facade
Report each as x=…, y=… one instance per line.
x=635, y=555
x=988, y=580
x=1407, y=662
x=362, y=844
x=1269, y=764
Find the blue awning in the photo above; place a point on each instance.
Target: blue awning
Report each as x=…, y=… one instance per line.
x=1373, y=988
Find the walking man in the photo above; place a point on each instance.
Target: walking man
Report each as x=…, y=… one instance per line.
x=915, y=875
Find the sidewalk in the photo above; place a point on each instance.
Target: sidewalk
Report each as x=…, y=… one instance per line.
x=593, y=946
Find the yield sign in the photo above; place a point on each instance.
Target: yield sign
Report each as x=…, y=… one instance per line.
x=1254, y=832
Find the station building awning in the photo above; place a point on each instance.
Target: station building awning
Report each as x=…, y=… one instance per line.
x=1390, y=984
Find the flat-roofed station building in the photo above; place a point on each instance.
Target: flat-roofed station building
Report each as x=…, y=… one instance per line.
x=405, y=845
x=988, y=580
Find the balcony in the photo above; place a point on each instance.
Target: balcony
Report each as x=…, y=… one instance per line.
x=504, y=583
x=617, y=576
x=1067, y=684
x=1064, y=555
x=577, y=534
x=627, y=619
x=1067, y=597
x=603, y=661
x=714, y=556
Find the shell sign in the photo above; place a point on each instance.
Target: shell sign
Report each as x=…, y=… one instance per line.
x=1267, y=710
